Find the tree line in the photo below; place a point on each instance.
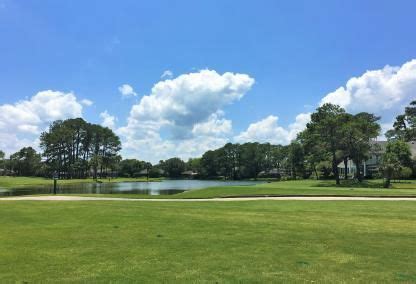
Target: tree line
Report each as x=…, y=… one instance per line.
x=71, y=148
x=333, y=137
x=74, y=148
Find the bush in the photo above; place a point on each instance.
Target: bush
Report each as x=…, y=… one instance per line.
x=405, y=173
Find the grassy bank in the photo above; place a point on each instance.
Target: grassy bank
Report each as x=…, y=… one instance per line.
x=10, y=182
x=304, y=187
x=251, y=242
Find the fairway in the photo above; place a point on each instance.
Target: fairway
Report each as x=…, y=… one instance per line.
x=305, y=188
x=251, y=242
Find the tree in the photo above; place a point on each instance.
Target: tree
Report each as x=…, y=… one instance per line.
x=194, y=164
x=315, y=154
x=251, y=160
x=404, y=128
x=325, y=129
x=174, y=167
x=209, y=164
x=26, y=162
x=396, y=156
x=147, y=167
x=403, y=173
x=2, y=155
x=72, y=147
x=357, y=133
x=296, y=159
x=278, y=156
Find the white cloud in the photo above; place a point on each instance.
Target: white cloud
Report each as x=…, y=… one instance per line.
x=268, y=130
x=11, y=142
x=108, y=120
x=167, y=74
x=127, y=91
x=190, y=99
x=22, y=122
x=183, y=116
x=189, y=109
x=87, y=102
x=377, y=90
x=215, y=125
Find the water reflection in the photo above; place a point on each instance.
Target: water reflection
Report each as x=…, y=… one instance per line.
x=165, y=187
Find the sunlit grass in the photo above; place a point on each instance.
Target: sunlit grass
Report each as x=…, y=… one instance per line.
x=304, y=187
x=238, y=242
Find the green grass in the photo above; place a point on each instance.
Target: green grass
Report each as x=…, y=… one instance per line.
x=10, y=182
x=304, y=187
x=228, y=242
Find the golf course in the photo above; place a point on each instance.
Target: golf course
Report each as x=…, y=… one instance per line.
x=223, y=142
x=207, y=242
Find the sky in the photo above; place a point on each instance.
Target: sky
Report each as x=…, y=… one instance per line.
x=177, y=78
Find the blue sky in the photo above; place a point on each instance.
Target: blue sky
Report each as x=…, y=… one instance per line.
x=295, y=53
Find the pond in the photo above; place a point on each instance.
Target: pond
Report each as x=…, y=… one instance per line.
x=164, y=187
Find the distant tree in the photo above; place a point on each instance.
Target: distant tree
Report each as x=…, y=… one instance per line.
x=229, y=157
x=26, y=162
x=324, y=168
x=174, y=167
x=315, y=154
x=147, y=167
x=194, y=164
x=131, y=167
x=357, y=133
x=404, y=128
x=3, y=168
x=209, y=163
x=396, y=157
x=278, y=157
x=252, y=157
x=296, y=159
x=325, y=128
x=403, y=173
x=72, y=147
x=154, y=172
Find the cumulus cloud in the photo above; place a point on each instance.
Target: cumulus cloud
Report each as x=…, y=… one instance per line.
x=86, y=102
x=108, y=120
x=179, y=112
x=167, y=74
x=189, y=99
x=191, y=110
x=184, y=116
x=377, y=90
x=22, y=122
x=384, y=92
x=215, y=125
x=127, y=91
x=268, y=130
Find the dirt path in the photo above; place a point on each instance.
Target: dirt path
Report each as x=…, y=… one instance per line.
x=81, y=198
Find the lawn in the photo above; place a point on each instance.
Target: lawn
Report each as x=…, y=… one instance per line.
x=305, y=187
x=238, y=242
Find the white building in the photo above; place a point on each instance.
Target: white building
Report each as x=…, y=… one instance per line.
x=371, y=166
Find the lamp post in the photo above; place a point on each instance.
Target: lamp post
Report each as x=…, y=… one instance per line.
x=55, y=178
